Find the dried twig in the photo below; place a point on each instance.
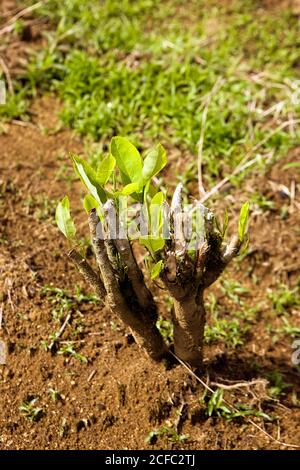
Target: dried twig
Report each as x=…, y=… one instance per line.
x=17, y=122
x=292, y=192
x=92, y=375
x=1, y=316
x=10, y=301
x=7, y=75
x=61, y=330
x=9, y=27
x=181, y=416
x=239, y=384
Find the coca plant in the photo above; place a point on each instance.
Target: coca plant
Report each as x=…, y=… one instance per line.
x=186, y=253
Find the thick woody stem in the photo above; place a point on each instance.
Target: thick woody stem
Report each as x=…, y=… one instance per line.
x=222, y=259
x=110, y=282
x=110, y=213
x=189, y=322
x=144, y=330
x=135, y=274
x=187, y=291
x=124, y=248
x=88, y=273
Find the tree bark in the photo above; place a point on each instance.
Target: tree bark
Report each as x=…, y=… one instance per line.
x=142, y=325
x=189, y=322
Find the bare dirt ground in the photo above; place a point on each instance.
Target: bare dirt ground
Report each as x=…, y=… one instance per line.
x=115, y=399
x=119, y=396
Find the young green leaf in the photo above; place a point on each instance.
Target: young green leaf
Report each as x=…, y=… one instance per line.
x=158, y=199
x=156, y=269
x=127, y=157
x=291, y=165
x=153, y=244
x=89, y=203
x=154, y=162
x=89, y=178
x=157, y=244
x=130, y=189
x=124, y=178
x=64, y=220
x=105, y=169
x=243, y=221
x=156, y=215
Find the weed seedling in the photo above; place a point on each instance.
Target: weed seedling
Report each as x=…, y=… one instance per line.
x=278, y=385
x=215, y=406
x=54, y=394
x=284, y=299
x=168, y=431
x=67, y=349
x=30, y=411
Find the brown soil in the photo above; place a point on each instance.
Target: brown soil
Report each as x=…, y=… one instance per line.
x=15, y=48
x=294, y=5
x=127, y=396
x=119, y=396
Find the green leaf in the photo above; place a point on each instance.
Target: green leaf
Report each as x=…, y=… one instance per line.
x=156, y=269
x=124, y=178
x=156, y=215
x=89, y=178
x=158, y=199
x=128, y=158
x=152, y=244
x=149, y=191
x=89, y=203
x=105, y=169
x=155, y=160
x=243, y=221
x=130, y=189
x=291, y=165
x=244, y=250
x=157, y=244
x=64, y=220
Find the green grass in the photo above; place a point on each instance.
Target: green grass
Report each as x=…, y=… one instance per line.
x=284, y=299
x=230, y=324
x=143, y=69
x=41, y=207
x=67, y=349
x=64, y=304
x=277, y=386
